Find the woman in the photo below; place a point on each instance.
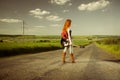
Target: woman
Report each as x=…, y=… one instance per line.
x=66, y=41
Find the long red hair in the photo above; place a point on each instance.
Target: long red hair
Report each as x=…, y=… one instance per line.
x=66, y=25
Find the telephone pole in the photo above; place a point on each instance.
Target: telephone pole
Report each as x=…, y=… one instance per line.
x=23, y=23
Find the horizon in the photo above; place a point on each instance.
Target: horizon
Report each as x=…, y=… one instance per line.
x=51, y=35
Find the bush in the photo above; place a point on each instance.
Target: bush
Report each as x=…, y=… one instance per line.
x=1, y=41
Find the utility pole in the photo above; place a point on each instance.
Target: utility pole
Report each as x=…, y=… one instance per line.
x=23, y=28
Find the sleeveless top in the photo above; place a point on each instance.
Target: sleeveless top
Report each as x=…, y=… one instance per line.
x=66, y=37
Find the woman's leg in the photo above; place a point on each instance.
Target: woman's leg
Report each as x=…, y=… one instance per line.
x=64, y=54
x=71, y=53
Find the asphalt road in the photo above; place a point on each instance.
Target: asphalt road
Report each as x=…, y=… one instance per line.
x=92, y=63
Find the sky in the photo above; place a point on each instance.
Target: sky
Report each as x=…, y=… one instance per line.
x=47, y=17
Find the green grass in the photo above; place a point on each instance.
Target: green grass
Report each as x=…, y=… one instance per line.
x=110, y=45
x=113, y=49
x=16, y=45
x=23, y=47
x=81, y=42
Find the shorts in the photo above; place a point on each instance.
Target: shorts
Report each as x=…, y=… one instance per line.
x=69, y=49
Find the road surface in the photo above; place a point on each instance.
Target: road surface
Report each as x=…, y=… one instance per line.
x=92, y=63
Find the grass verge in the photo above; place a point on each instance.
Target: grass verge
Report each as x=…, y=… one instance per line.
x=17, y=48
x=114, y=49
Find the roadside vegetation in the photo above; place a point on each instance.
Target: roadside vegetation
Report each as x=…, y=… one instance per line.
x=17, y=45
x=111, y=44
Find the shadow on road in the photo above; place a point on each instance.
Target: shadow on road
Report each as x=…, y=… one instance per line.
x=116, y=61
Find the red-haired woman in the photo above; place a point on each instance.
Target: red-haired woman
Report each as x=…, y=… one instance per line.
x=66, y=40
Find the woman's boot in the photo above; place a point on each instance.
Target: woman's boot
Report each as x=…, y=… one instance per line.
x=63, y=57
x=72, y=58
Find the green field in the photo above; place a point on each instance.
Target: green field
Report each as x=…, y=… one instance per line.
x=14, y=45
x=111, y=44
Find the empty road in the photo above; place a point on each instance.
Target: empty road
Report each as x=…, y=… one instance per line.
x=92, y=63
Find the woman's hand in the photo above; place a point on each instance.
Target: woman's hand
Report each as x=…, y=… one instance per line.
x=70, y=43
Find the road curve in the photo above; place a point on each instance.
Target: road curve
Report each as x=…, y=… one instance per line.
x=92, y=63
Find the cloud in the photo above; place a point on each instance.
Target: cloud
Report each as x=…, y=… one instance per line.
x=11, y=20
x=59, y=2
x=54, y=18
x=70, y=4
x=64, y=11
x=94, y=5
x=38, y=13
x=55, y=25
x=39, y=26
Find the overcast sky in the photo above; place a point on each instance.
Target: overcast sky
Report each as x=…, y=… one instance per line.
x=47, y=17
